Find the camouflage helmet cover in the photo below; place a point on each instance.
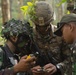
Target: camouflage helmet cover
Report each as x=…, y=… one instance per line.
x=44, y=13
x=13, y=28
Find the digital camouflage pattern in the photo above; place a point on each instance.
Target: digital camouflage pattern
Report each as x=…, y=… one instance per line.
x=43, y=13
x=7, y=61
x=6, y=71
x=14, y=28
x=59, y=50
x=73, y=57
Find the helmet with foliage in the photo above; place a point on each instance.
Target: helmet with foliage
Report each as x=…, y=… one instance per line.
x=17, y=29
x=43, y=13
x=14, y=28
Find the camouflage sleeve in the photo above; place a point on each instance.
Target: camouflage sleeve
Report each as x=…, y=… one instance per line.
x=66, y=59
x=7, y=71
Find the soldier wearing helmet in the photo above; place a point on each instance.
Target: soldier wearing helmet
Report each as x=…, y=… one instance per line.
x=47, y=41
x=71, y=6
x=17, y=36
x=44, y=15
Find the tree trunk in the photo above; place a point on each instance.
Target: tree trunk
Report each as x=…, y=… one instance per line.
x=5, y=10
x=20, y=15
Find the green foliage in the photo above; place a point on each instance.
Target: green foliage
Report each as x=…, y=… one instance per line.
x=14, y=13
x=62, y=1
x=13, y=28
x=29, y=10
x=1, y=39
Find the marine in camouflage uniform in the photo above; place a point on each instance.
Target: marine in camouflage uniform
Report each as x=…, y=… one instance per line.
x=71, y=6
x=9, y=53
x=68, y=24
x=46, y=40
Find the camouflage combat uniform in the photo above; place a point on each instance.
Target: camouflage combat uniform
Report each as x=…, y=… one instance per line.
x=7, y=61
x=54, y=45
x=73, y=58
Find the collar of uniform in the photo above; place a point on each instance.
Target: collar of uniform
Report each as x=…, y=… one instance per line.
x=44, y=38
x=39, y=36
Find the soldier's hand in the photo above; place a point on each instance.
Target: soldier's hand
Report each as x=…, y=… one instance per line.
x=37, y=70
x=24, y=64
x=50, y=68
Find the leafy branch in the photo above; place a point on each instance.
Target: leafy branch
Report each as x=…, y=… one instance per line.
x=29, y=10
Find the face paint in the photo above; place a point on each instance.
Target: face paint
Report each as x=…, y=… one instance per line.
x=23, y=40
x=23, y=43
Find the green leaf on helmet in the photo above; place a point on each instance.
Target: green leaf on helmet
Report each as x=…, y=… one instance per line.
x=11, y=34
